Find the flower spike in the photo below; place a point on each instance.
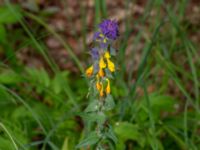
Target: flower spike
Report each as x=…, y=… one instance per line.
x=100, y=73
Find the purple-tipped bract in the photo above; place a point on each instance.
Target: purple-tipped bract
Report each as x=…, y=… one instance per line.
x=110, y=29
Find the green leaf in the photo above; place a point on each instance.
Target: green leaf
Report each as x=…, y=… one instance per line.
x=9, y=77
x=56, y=85
x=109, y=103
x=128, y=131
x=20, y=112
x=93, y=106
x=162, y=103
x=39, y=77
x=159, y=103
x=7, y=16
x=111, y=135
x=154, y=142
x=108, y=73
x=59, y=82
x=6, y=144
x=65, y=144
x=44, y=78
x=99, y=117
x=91, y=139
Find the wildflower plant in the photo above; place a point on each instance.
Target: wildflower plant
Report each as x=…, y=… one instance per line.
x=100, y=135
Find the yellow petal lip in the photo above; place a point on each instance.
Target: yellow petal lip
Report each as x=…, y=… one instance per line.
x=101, y=35
x=98, y=86
x=111, y=65
x=104, y=40
x=108, y=87
x=107, y=55
x=102, y=64
x=89, y=71
x=101, y=91
x=101, y=73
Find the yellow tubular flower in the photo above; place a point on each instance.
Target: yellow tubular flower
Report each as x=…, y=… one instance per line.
x=108, y=87
x=101, y=73
x=101, y=91
x=98, y=86
x=102, y=64
x=107, y=55
x=89, y=71
x=104, y=40
x=111, y=65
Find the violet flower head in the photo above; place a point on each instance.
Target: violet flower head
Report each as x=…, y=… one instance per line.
x=110, y=29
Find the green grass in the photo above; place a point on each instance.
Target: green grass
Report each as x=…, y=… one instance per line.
x=40, y=107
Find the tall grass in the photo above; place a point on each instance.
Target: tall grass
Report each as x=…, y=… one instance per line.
x=40, y=107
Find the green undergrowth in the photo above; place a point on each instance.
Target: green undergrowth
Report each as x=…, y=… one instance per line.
x=156, y=90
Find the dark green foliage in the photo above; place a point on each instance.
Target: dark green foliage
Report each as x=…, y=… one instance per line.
x=155, y=102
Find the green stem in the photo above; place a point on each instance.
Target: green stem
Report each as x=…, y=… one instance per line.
x=100, y=127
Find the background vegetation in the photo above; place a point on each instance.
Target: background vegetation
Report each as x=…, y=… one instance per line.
x=44, y=48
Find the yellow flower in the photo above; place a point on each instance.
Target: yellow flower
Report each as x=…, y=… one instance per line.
x=98, y=86
x=89, y=71
x=107, y=55
x=104, y=40
x=101, y=73
x=101, y=91
x=108, y=87
x=102, y=64
x=111, y=65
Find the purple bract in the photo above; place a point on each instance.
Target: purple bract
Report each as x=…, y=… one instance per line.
x=95, y=53
x=110, y=29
